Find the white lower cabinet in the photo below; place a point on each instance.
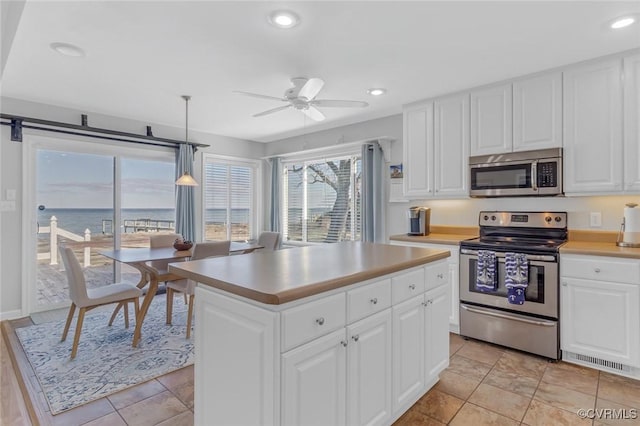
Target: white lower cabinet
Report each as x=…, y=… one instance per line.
x=354, y=357
x=600, y=313
x=314, y=382
x=369, y=370
x=454, y=291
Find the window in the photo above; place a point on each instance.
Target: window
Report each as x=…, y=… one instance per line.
x=322, y=199
x=229, y=199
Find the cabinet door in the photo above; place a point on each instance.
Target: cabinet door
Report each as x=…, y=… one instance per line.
x=436, y=331
x=369, y=370
x=491, y=114
x=632, y=122
x=537, y=113
x=592, y=136
x=418, y=150
x=408, y=351
x=451, y=146
x=244, y=363
x=614, y=333
x=314, y=382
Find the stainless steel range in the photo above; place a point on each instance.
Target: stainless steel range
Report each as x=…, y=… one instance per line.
x=530, y=323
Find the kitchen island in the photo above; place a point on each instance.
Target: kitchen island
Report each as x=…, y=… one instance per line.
x=348, y=333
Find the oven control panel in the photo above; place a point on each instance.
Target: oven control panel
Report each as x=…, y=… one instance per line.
x=524, y=219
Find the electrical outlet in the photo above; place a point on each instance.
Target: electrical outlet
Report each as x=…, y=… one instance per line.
x=595, y=219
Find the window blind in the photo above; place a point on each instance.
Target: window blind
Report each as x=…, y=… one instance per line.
x=322, y=199
x=228, y=200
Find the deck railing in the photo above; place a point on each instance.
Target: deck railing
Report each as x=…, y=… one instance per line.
x=54, y=232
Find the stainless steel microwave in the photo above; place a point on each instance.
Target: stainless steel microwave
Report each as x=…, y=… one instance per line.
x=516, y=174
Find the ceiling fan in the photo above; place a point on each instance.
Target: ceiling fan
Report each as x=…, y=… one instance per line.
x=302, y=97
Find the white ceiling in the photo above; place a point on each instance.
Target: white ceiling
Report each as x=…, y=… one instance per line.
x=141, y=56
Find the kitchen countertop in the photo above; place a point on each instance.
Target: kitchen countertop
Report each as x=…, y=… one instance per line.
x=281, y=276
x=597, y=243
x=441, y=234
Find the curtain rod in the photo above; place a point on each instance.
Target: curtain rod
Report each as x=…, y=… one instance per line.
x=383, y=140
x=17, y=123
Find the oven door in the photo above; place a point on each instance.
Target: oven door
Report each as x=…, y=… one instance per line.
x=541, y=295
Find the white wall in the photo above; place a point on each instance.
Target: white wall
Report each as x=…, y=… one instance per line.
x=11, y=178
x=462, y=212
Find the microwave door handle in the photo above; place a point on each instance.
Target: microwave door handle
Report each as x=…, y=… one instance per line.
x=534, y=175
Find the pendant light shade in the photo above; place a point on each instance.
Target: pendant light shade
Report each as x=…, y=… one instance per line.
x=186, y=179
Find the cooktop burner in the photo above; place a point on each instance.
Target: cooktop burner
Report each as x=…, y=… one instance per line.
x=541, y=232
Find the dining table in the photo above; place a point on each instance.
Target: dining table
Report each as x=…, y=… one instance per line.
x=139, y=259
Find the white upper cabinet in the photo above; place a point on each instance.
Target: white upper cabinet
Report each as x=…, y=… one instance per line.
x=418, y=150
x=592, y=107
x=632, y=122
x=491, y=120
x=537, y=112
x=451, y=146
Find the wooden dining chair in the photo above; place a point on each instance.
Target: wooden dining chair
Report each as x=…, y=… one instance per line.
x=87, y=299
x=269, y=240
x=187, y=286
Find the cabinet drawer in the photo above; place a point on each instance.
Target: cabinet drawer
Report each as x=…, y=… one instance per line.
x=601, y=269
x=437, y=275
x=368, y=300
x=407, y=285
x=311, y=320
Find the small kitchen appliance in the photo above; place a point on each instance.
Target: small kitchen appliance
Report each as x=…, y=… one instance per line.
x=629, y=235
x=531, y=326
x=419, y=218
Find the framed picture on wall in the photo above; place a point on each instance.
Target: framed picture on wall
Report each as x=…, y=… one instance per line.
x=395, y=171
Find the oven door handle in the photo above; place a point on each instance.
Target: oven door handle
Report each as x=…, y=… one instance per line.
x=507, y=316
x=499, y=254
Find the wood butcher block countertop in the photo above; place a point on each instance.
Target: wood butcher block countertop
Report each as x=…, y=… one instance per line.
x=277, y=277
x=441, y=234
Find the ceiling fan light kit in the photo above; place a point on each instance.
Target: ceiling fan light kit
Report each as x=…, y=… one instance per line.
x=302, y=97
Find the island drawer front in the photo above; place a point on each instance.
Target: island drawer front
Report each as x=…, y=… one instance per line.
x=367, y=300
x=407, y=285
x=601, y=269
x=437, y=274
x=311, y=320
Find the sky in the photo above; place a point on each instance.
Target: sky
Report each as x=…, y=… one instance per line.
x=71, y=180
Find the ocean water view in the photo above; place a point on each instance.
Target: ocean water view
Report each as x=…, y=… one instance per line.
x=77, y=220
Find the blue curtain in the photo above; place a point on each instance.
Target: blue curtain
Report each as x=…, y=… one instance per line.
x=276, y=174
x=185, y=195
x=373, y=218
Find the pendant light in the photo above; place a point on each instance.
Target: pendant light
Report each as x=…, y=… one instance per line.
x=186, y=179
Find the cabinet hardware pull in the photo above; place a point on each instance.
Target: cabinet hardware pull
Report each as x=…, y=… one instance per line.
x=412, y=286
x=320, y=321
x=425, y=304
x=344, y=343
x=356, y=337
x=564, y=284
x=374, y=300
x=597, y=270
x=440, y=276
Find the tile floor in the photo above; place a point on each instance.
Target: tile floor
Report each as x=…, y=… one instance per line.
x=484, y=385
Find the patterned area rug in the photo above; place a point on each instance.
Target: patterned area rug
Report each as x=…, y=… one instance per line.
x=106, y=363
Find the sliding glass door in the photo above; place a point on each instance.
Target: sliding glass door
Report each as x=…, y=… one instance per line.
x=93, y=197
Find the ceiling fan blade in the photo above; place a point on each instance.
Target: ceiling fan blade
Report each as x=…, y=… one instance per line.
x=256, y=95
x=313, y=113
x=311, y=88
x=338, y=104
x=271, y=111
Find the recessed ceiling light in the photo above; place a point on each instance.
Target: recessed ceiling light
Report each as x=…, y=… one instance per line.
x=378, y=91
x=284, y=19
x=67, y=49
x=623, y=22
